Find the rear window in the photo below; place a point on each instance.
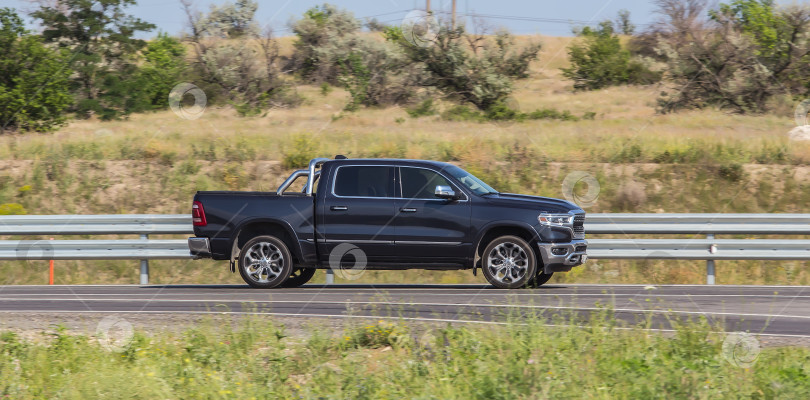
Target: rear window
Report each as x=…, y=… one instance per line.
x=362, y=181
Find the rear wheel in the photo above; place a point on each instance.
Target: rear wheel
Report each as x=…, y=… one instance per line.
x=508, y=262
x=265, y=262
x=298, y=277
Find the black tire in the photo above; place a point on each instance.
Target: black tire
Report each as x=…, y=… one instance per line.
x=519, y=256
x=298, y=277
x=540, y=278
x=265, y=262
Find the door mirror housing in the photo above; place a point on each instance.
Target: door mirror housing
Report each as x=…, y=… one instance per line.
x=446, y=192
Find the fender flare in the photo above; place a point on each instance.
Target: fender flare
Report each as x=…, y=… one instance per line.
x=295, y=247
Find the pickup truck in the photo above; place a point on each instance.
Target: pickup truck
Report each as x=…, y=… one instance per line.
x=387, y=214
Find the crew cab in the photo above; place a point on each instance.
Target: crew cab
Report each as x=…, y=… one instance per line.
x=356, y=214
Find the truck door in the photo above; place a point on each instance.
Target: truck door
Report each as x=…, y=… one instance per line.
x=430, y=229
x=358, y=212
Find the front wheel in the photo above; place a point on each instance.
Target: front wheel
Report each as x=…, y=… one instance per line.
x=265, y=262
x=509, y=262
x=298, y=277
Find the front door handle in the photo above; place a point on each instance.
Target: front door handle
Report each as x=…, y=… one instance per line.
x=407, y=209
x=338, y=208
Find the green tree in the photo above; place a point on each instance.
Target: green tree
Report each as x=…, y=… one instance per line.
x=100, y=36
x=163, y=67
x=34, y=92
x=599, y=60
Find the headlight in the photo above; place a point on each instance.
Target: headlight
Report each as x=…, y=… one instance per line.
x=555, y=219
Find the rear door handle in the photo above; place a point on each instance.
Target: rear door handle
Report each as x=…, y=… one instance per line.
x=338, y=208
x=407, y=209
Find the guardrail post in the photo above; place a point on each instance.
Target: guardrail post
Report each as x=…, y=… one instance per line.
x=330, y=276
x=144, y=266
x=710, y=266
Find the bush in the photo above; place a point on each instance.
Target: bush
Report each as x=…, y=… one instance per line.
x=747, y=52
x=599, y=61
x=303, y=148
x=163, y=67
x=475, y=69
x=423, y=109
x=375, y=74
x=244, y=70
x=34, y=91
x=326, y=36
x=12, y=209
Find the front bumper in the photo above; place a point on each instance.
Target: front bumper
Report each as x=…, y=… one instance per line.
x=199, y=247
x=561, y=257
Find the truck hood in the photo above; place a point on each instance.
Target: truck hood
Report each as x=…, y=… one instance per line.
x=547, y=204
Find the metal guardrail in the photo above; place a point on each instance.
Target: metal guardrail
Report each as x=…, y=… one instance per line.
x=114, y=224
x=699, y=248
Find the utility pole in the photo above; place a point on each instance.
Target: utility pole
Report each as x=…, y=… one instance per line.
x=454, y=15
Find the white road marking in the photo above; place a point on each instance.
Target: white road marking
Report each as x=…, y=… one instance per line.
x=377, y=318
x=528, y=306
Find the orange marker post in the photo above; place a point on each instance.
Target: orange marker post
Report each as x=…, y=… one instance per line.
x=50, y=272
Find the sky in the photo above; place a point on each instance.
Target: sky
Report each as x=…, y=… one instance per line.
x=548, y=17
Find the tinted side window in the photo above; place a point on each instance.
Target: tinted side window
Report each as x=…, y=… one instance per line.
x=365, y=181
x=418, y=183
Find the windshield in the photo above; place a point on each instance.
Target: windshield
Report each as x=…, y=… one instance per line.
x=470, y=181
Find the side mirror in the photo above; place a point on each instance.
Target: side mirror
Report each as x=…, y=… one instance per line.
x=445, y=192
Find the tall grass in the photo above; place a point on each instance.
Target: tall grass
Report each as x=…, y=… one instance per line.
x=373, y=360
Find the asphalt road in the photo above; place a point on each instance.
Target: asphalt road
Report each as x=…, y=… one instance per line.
x=766, y=310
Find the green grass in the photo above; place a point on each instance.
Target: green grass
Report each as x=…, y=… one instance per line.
x=389, y=360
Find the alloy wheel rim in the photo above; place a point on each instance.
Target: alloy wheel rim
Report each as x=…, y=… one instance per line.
x=508, y=262
x=263, y=262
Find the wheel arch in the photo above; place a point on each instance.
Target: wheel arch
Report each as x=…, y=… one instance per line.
x=503, y=228
x=266, y=226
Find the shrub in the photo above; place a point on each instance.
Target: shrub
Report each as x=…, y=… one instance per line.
x=423, y=109
x=475, y=69
x=244, y=70
x=325, y=38
x=163, y=67
x=303, y=148
x=745, y=54
x=599, y=61
x=376, y=74
x=462, y=113
x=34, y=91
x=12, y=209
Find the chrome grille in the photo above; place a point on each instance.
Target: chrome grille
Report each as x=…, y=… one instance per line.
x=579, y=226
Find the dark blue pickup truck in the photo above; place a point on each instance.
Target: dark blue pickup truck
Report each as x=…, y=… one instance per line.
x=387, y=214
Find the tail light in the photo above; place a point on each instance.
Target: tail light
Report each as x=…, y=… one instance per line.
x=198, y=214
